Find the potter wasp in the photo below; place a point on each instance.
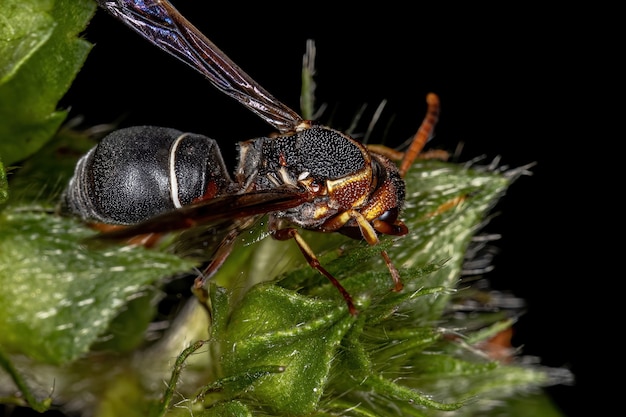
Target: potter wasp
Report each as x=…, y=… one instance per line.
x=156, y=180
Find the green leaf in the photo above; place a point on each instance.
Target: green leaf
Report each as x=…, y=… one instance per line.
x=40, y=55
x=59, y=296
x=27, y=25
x=297, y=333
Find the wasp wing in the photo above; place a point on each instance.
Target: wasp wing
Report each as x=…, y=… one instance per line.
x=161, y=24
x=227, y=211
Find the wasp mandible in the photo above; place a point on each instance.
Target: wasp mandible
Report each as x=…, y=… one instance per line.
x=309, y=176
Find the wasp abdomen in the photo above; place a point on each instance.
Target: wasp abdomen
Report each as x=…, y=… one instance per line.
x=138, y=172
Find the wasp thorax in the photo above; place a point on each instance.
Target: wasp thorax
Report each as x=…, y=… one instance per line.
x=320, y=159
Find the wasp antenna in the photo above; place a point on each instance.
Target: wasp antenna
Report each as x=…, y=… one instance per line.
x=424, y=133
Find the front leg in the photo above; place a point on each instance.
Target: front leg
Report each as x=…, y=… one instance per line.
x=369, y=233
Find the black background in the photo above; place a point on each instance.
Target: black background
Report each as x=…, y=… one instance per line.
x=510, y=84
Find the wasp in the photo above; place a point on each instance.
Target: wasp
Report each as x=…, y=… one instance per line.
x=154, y=180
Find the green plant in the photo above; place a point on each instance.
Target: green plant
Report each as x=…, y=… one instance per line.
x=272, y=337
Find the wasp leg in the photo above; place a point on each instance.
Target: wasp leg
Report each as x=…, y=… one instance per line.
x=394, y=155
x=386, y=151
x=368, y=231
x=291, y=233
x=221, y=254
x=393, y=271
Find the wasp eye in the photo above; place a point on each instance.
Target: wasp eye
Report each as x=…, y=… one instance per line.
x=389, y=216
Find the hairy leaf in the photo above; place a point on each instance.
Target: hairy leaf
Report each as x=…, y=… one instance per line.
x=40, y=54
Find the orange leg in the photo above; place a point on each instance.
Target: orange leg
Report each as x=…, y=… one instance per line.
x=221, y=254
x=395, y=275
x=290, y=233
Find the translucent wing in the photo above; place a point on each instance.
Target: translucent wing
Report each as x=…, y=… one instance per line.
x=161, y=24
x=227, y=211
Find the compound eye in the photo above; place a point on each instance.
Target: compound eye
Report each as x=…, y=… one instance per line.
x=389, y=216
